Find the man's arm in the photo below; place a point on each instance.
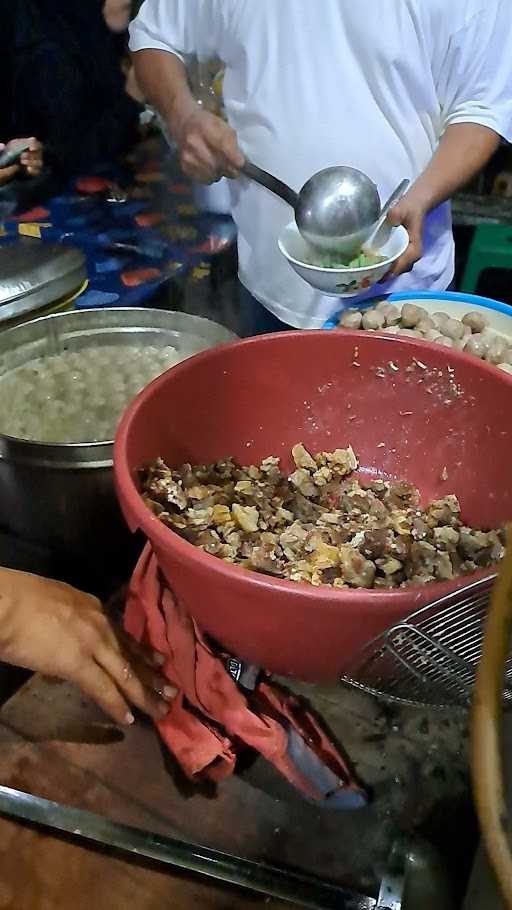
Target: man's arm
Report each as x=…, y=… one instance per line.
x=208, y=146
x=463, y=151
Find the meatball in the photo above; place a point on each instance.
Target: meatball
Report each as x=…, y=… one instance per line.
x=373, y=319
x=439, y=319
x=453, y=329
x=425, y=325
x=444, y=341
x=412, y=314
x=391, y=313
x=351, y=319
x=476, y=322
x=411, y=333
x=497, y=350
x=478, y=345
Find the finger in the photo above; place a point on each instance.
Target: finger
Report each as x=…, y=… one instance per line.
x=227, y=169
x=407, y=261
x=138, y=686
x=232, y=156
x=143, y=652
x=396, y=215
x=99, y=687
x=122, y=642
x=199, y=162
x=154, y=682
x=7, y=173
x=223, y=145
x=31, y=161
x=32, y=154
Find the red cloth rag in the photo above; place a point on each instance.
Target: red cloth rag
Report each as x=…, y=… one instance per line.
x=210, y=718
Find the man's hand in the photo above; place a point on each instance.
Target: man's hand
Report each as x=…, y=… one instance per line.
x=463, y=150
x=117, y=14
x=56, y=630
x=31, y=161
x=410, y=212
x=208, y=146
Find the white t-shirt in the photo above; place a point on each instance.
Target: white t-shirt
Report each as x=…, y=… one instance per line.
x=367, y=83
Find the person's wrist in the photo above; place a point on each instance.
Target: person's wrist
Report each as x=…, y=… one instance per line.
x=421, y=197
x=179, y=114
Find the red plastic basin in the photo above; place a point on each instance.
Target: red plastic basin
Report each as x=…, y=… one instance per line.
x=410, y=410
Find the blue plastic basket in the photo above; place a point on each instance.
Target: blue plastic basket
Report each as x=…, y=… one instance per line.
x=471, y=299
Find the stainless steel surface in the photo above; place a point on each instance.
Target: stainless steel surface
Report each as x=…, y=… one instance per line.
x=426, y=884
x=62, y=495
x=415, y=878
x=430, y=658
x=391, y=889
x=270, y=881
x=34, y=275
x=336, y=210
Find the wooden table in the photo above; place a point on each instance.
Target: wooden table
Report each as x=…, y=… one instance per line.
x=55, y=745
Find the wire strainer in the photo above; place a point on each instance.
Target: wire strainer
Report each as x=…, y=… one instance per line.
x=430, y=658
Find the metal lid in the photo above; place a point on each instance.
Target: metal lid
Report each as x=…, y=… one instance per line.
x=35, y=274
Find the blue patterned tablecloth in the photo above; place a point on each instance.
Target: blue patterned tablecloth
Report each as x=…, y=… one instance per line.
x=162, y=235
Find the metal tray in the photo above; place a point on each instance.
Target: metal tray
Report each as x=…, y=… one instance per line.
x=34, y=275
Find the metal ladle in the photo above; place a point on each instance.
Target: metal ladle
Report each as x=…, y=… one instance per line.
x=336, y=210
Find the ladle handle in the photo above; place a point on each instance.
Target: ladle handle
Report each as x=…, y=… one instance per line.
x=270, y=183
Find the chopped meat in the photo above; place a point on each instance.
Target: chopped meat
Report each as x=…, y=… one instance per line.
x=319, y=525
x=209, y=541
x=246, y=517
x=303, y=459
x=402, y=495
x=376, y=544
x=302, y=480
x=355, y=569
x=264, y=559
x=443, y=512
x=446, y=538
x=389, y=566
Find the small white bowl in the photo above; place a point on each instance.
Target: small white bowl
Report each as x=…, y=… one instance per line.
x=342, y=282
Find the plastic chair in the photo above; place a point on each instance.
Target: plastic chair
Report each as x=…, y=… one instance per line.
x=491, y=248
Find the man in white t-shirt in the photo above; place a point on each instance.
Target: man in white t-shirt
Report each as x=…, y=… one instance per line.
x=397, y=88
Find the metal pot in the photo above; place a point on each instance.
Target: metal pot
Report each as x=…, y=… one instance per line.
x=38, y=276
x=62, y=496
